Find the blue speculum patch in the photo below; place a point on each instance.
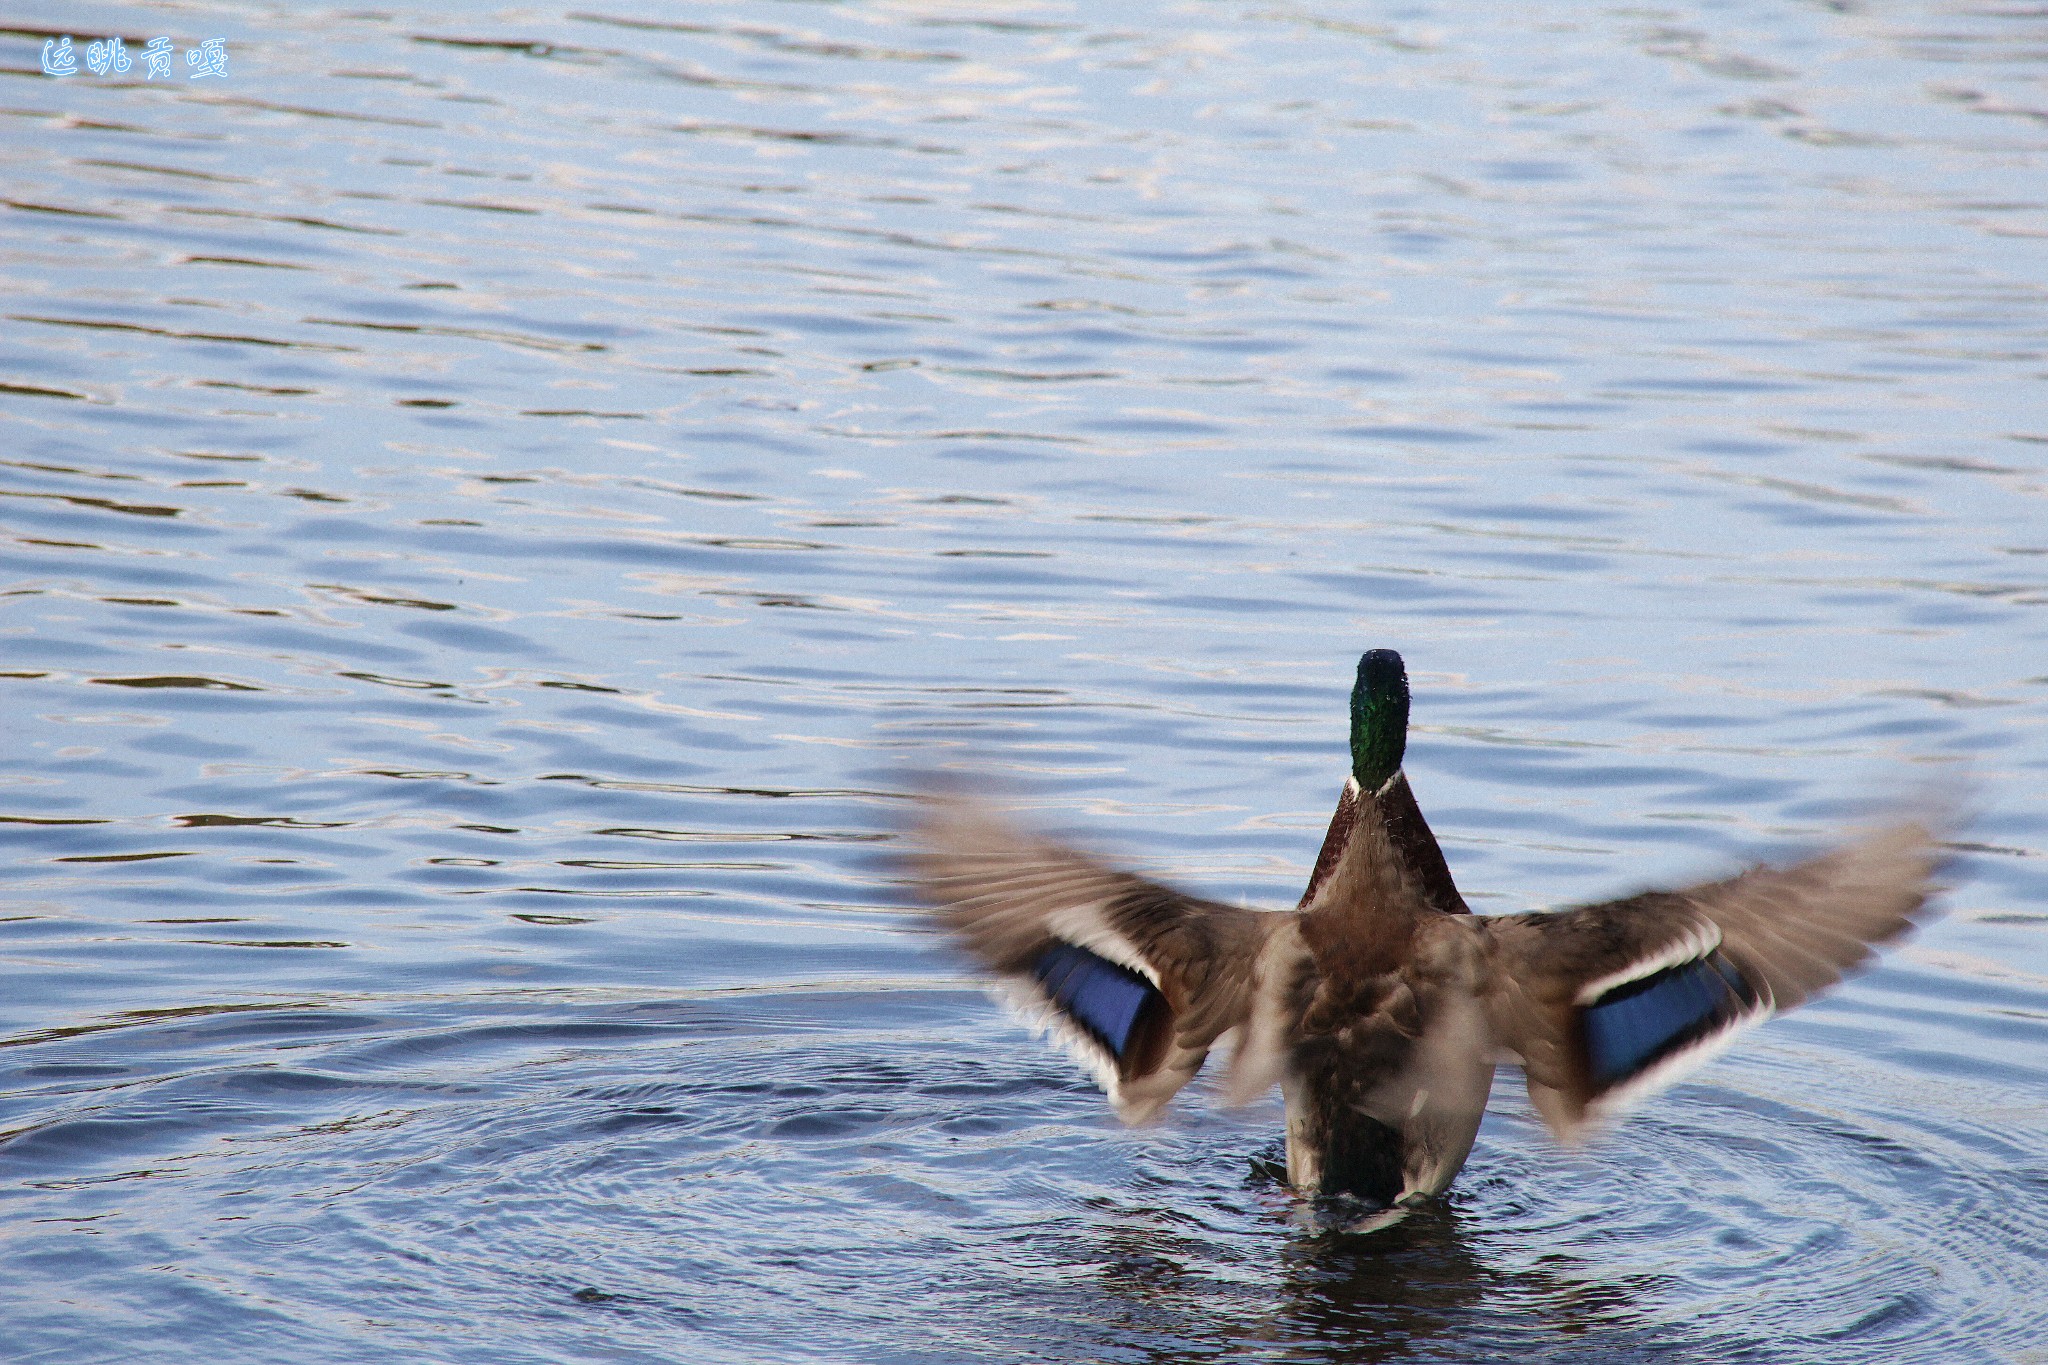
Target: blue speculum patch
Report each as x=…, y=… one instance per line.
x=1103, y=997
x=1640, y=1023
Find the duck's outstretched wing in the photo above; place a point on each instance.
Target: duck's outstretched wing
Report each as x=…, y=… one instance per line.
x=1605, y=1004
x=1134, y=978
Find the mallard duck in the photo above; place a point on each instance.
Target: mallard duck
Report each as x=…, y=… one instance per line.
x=1380, y=1004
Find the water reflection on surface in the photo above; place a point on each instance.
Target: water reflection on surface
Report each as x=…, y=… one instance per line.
x=741, y=1166
x=495, y=500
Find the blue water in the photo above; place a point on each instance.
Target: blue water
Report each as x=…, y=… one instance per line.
x=496, y=501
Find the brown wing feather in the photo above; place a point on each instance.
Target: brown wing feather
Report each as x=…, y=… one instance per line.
x=1802, y=928
x=1008, y=896
x=1787, y=931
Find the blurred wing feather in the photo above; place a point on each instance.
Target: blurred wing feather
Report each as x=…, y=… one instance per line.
x=1606, y=1004
x=1136, y=979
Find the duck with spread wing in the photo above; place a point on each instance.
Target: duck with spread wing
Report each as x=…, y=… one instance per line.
x=1380, y=1004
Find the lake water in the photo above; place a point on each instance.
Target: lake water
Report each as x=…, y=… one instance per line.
x=497, y=499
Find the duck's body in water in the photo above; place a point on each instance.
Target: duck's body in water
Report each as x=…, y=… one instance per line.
x=1380, y=1003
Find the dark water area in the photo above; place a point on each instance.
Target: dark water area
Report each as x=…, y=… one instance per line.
x=495, y=500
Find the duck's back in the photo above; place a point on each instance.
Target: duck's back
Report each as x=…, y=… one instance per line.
x=1390, y=1068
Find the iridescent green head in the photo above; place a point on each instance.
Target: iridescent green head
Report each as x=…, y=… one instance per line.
x=1379, y=718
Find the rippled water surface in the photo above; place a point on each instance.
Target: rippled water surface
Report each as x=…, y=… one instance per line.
x=496, y=499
